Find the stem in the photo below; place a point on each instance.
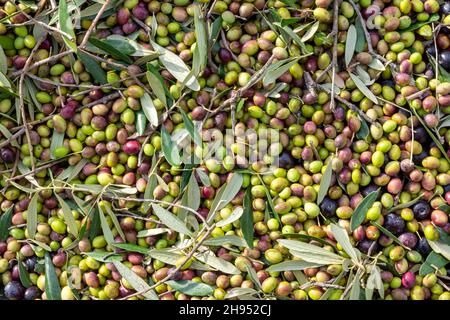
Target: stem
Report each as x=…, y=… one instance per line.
x=93, y=25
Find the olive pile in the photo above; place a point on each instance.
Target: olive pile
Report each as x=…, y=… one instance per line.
x=346, y=197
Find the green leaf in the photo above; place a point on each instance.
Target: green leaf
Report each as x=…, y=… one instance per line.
x=269, y=199
x=201, y=43
x=246, y=219
x=115, y=222
x=361, y=38
x=234, y=216
x=359, y=215
x=5, y=132
x=176, y=67
x=292, y=265
x=417, y=25
x=152, y=232
x=149, y=109
x=68, y=217
x=215, y=30
x=141, y=122
x=277, y=69
x=218, y=263
x=362, y=87
x=65, y=23
x=226, y=240
x=252, y=275
x=204, y=178
x=355, y=291
x=57, y=141
x=93, y=67
x=311, y=31
x=363, y=132
x=169, y=257
x=191, y=288
x=297, y=248
x=170, y=150
x=226, y=193
x=104, y=256
x=440, y=248
x=5, y=223
x=317, y=258
x=434, y=261
x=109, y=49
x=445, y=122
x=24, y=276
x=189, y=125
x=7, y=43
x=240, y=292
x=406, y=204
x=342, y=238
x=389, y=234
x=157, y=87
x=3, y=61
x=325, y=183
x=135, y=281
x=92, y=11
x=193, y=193
x=105, y=227
x=32, y=216
x=170, y=220
x=376, y=64
x=350, y=44
x=131, y=247
x=52, y=288
x=310, y=238
x=293, y=36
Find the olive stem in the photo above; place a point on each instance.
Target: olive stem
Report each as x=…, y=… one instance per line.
x=93, y=25
x=320, y=284
x=48, y=60
x=334, y=60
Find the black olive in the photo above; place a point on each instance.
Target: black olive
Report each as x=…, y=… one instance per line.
x=328, y=207
x=394, y=223
x=444, y=60
x=14, y=290
x=421, y=210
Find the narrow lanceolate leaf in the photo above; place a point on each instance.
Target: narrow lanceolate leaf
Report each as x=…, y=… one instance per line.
x=156, y=86
x=226, y=240
x=52, y=288
x=103, y=256
x=406, y=204
x=252, y=275
x=149, y=109
x=356, y=288
x=57, y=141
x=115, y=222
x=170, y=220
x=434, y=261
x=361, y=38
x=292, y=265
x=363, y=132
x=65, y=23
x=152, y=232
x=105, y=227
x=24, y=276
x=240, y=292
x=325, y=183
x=362, y=87
x=135, y=281
x=311, y=252
x=93, y=67
x=5, y=223
x=374, y=281
x=71, y=172
x=220, y=264
x=141, y=122
x=169, y=149
x=201, y=42
x=246, y=219
x=376, y=64
x=189, y=125
x=341, y=236
x=359, y=215
x=234, y=216
x=5, y=132
x=225, y=194
x=68, y=217
x=109, y=49
x=350, y=44
x=389, y=234
x=3, y=61
x=131, y=247
x=317, y=258
x=215, y=30
x=277, y=69
x=193, y=193
x=191, y=288
x=440, y=248
x=311, y=31
x=176, y=67
x=32, y=216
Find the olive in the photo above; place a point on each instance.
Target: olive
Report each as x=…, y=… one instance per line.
x=444, y=60
x=14, y=290
x=421, y=210
x=328, y=207
x=394, y=223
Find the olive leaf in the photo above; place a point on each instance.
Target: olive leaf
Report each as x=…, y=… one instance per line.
x=311, y=31
x=220, y=264
x=176, y=67
x=350, y=44
x=269, y=199
x=226, y=193
x=93, y=67
x=149, y=109
x=252, y=275
x=24, y=276
x=311, y=238
x=169, y=148
x=52, y=288
x=234, y=216
x=440, y=248
x=5, y=223
x=5, y=132
x=156, y=85
x=57, y=141
x=374, y=281
x=361, y=37
x=434, y=261
x=170, y=220
x=3, y=61
x=189, y=125
x=111, y=50
x=200, y=54
x=417, y=25
x=342, y=238
x=105, y=227
x=135, y=281
x=72, y=171
x=141, y=122
x=362, y=87
x=240, y=292
x=130, y=247
x=226, y=240
x=376, y=64
x=32, y=215
x=171, y=258
x=406, y=204
x=311, y=253
x=363, y=132
x=359, y=215
x=246, y=219
x=204, y=178
x=292, y=265
x=445, y=122
x=355, y=291
x=277, y=69
x=115, y=222
x=104, y=256
x=65, y=24
x=68, y=217
x=191, y=288
x=389, y=234
x=364, y=76
x=152, y=232
x=325, y=183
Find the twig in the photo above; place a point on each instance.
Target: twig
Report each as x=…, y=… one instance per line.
x=324, y=73
x=38, y=169
x=93, y=25
x=13, y=137
x=417, y=94
x=48, y=60
x=320, y=284
x=46, y=26
x=334, y=60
